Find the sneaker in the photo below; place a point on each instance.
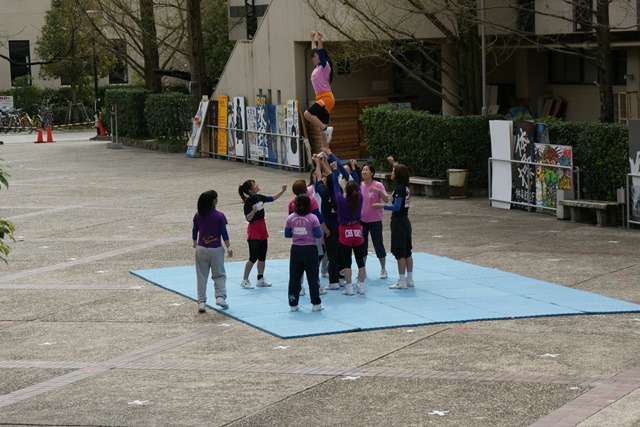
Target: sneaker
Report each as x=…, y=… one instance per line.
x=221, y=302
x=322, y=291
x=328, y=132
x=295, y=308
x=322, y=155
x=262, y=283
x=348, y=289
x=383, y=274
x=302, y=291
x=202, y=307
x=399, y=285
x=360, y=286
x=246, y=284
x=317, y=307
x=333, y=286
x=410, y=283
x=341, y=282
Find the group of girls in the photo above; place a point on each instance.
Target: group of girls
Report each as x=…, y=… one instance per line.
x=329, y=221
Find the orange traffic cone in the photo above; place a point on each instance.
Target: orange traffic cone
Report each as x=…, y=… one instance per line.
x=39, y=139
x=101, y=129
x=49, y=136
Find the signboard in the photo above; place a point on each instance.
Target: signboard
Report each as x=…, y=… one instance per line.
x=293, y=131
x=223, y=100
x=6, y=102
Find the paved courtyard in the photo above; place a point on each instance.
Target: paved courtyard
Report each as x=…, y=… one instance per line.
x=85, y=343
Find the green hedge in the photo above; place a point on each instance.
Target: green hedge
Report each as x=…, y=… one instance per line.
x=130, y=103
x=430, y=144
x=169, y=116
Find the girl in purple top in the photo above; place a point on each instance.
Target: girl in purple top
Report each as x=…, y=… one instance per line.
x=303, y=228
x=321, y=77
x=349, y=231
x=208, y=232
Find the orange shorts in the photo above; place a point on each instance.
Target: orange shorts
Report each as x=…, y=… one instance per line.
x=326, y=100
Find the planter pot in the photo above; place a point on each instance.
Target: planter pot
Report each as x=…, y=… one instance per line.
x=458, y=183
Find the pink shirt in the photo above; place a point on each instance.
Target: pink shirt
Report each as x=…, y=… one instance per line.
x=368, y=198
x=320, y=78
x=302, y=229
x=292, y=204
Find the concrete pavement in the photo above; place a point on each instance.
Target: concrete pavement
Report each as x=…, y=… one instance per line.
x=85, y=343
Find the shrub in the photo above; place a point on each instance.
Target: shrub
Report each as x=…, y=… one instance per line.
x=129, y=104
x=169, y=116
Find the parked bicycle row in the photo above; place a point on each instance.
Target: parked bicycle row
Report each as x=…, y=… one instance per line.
x=17, y=120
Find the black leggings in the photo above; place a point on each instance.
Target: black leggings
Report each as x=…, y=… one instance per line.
x=257, y=250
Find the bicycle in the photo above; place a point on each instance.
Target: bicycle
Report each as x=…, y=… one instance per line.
x=11, y=120
x=26, y=123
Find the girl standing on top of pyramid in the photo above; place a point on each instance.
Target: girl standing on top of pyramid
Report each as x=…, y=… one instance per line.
x=321, y=78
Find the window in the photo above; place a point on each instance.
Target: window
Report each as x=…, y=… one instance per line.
x=572, y=69
x=582, y=15
x=20, y=57
x=119, y=73
x=526, y=16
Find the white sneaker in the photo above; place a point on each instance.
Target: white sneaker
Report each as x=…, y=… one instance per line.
x=328, y=132
x=383, y=274
x=302, y=291
x=322, y=291
x=333, y=286
x=341, y=282
x=317, y=307
x=294, y=308
x=410, y=283
x=262, y=283
x=322, y=155
x=348, y=289
x=202, y=307
x=399, y=285
x=221, y=302
x=360, y=286
x=246, y=284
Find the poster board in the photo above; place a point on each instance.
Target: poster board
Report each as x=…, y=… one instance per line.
x=272, y=140
x=524, y=177
x=634, y=166
x=261, y=116
x=501, y=146
x=281, y=120
x=223, y=101
x=293, y=131
x=252, y=137
x=237, y=123
x=196, y=127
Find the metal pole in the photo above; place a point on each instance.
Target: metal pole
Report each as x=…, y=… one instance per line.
x=485, y=110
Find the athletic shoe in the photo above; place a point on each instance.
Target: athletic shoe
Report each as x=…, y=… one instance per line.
x=321, y=155
x=295, y=308
x=410, y=283
x=383, y=274
x=246, y=284
x=302, y=291
x=360, y=286
x=333, y=286
x=202, y=307
x=221, y=302
x=399, y=285
x=322, y=291
x=317, y=307
x=262, y=283
x=328, y=132
x=341, y=282
x=348, y=289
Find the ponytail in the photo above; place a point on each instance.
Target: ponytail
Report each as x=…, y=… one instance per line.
x=243, y=190
x=351, y=191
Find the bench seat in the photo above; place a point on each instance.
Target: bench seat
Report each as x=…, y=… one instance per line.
x=418, y=185
x=604, y=214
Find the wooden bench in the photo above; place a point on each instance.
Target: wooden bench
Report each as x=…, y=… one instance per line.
x=605, y=214
x=418, y=185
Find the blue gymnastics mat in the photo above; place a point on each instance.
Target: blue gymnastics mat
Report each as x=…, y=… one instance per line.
x=445, y=291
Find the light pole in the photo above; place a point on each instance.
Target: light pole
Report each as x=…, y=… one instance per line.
x=96, y=102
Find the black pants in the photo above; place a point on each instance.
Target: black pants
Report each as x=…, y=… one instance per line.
x=331, y=243
x=303, y=259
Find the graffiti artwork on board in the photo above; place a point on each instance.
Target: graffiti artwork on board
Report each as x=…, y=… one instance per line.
x=252, y=127
x=281, y=117
x=293, y=131
x=634, y=167
x=261, y=116
x=222, y=123
x=272, y=128
x=524, y=175
x=550, y=180
x=237, y=122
